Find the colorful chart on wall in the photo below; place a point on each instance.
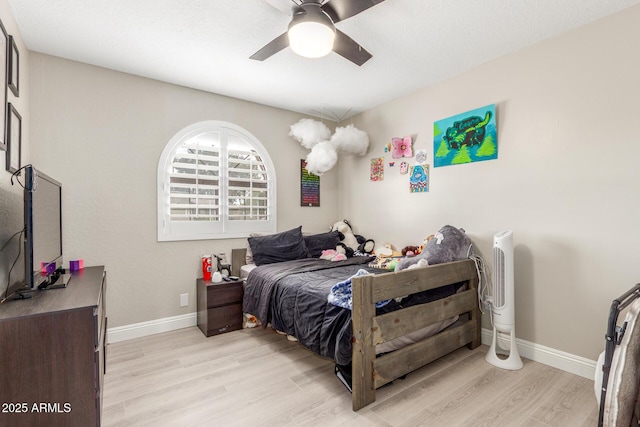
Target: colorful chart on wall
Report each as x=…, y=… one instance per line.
x=419, y=179
x=309, y=186
x=465, y=138
x=377, y=169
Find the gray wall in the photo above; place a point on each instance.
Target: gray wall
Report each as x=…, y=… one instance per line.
x=101, y=133
x=566, y=180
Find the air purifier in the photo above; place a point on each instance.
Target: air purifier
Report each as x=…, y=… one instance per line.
x=503, y=352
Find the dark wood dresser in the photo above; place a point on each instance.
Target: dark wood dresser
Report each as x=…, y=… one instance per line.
x=52, y=354
x=219, y=306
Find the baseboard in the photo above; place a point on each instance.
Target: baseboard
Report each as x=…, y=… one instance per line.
x=138, y=330
x=549, y=356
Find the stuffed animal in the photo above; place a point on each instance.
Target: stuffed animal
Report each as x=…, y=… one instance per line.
x=366, y=246
x=384, y=262
x=410, y=251
x=424, y=243
x=346, y=234
x=333, y=255
x=345, y=250
x=448, y=244
x=250, y=321
x=387, y=251
x=351, y=244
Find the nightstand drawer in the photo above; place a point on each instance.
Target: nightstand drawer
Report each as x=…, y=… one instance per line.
x=224, y=319
x=219, y=306
x=223, y=294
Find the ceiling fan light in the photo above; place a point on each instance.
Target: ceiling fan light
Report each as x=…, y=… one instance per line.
x=311, y=39
x=311, y=33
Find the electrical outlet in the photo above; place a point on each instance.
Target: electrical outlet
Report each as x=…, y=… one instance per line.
x=184, y=300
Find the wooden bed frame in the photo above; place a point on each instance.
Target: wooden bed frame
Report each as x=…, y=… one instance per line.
x=370, y=372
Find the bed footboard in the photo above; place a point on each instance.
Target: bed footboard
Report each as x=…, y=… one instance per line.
x=369, y=372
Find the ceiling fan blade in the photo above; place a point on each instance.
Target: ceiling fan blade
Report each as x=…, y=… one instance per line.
x=346, y=47
x=288, y=7
x=273, y=47
x=339, y=10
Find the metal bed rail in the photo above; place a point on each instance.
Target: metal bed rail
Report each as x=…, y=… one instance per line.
x=613, y=338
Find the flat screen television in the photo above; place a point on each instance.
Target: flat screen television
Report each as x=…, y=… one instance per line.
x=43, y=229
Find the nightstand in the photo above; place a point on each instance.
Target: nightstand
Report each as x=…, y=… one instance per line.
x=219, y=306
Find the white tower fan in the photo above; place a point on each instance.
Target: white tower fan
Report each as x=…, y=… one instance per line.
x=503, y=305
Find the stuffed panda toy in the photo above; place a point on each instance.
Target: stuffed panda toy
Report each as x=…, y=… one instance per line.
x=352, y=244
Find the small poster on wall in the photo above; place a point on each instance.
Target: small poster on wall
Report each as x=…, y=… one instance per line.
x=377, y=169
x=309, y=186
x=419, y=179
x=465, y=138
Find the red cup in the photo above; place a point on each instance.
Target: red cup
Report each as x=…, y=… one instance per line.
x=206, y=267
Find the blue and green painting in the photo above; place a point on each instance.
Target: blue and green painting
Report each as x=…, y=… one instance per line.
x=465, y=138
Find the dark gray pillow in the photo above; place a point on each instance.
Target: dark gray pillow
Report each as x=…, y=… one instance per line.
x=316, y=243
x=285, y=246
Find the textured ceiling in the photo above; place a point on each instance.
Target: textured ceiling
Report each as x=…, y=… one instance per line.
x=205, y=44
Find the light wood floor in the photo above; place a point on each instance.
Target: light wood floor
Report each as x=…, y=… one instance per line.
x=255, y=377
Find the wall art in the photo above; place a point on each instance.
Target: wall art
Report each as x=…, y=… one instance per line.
x=404, y=168
x=401, y=147
x=419, y=179
x=465, y=138
x=377, y=169
x=14, y=139
x=309, y=186
x=13, y=76
x=421, y=156
x=3, y=92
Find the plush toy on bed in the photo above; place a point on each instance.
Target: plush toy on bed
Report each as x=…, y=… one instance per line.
x=332, y=255
x=410, y=251
x=423, y=244
x=386, y=257
x=416, y=250
x=448, y=244
x=351, y=244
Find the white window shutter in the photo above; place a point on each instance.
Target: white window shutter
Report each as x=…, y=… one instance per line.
x=215, y=180
x=194, y=183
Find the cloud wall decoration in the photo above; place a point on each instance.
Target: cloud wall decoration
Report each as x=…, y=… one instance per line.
x=316, y=136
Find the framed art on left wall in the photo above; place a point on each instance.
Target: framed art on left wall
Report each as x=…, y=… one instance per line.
x=13, y=69
x=3, y=91
x=14, y=139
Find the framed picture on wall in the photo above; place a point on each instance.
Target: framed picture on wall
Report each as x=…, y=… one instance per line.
x=3, y=91
x=14, y=139
x=13, y=75
x=309, y=186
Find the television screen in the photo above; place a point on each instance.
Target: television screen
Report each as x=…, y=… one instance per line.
x=43, y=226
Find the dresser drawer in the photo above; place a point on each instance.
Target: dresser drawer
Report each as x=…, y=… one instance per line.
x=224, y=319
x=223, y=294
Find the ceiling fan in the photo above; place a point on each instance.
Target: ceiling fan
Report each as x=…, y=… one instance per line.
x=312, y=32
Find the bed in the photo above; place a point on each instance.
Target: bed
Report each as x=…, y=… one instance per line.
x=439, y=293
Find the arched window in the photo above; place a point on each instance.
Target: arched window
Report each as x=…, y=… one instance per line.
x=215, y=181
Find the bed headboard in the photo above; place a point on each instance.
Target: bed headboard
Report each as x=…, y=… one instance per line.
x=238, y=257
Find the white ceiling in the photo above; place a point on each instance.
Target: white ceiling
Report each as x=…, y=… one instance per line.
x=206, y=44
